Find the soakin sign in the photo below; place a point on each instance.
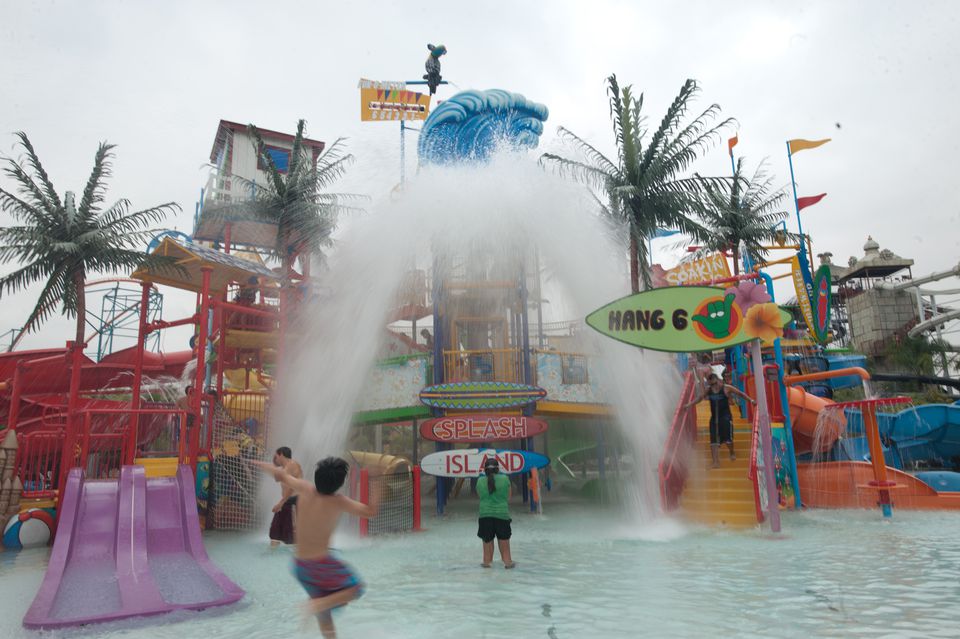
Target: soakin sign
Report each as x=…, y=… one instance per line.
x=481, y=428
x=700, y=271
x=687, y=319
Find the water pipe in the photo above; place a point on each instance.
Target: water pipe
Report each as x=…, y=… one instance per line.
x=880, y=483
x=784, y=404
x=933, y=277
x=790, y=380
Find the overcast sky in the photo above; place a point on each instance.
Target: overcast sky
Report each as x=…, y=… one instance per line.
x=880, y=78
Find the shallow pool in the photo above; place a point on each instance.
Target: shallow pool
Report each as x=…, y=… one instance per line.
x=585, y=573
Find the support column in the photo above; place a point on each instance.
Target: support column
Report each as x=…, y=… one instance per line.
x=14, y=413
x=415, y=458
x=220, y=325
x=601, y=462
x=142, y=333
x=416, y=498
x=203, y=325
x=766, y=437
x=75, y=357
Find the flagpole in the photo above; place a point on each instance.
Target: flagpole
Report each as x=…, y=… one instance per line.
x=796, y=204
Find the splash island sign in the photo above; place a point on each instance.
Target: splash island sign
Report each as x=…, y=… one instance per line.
x=481, y=428
x=686, y=319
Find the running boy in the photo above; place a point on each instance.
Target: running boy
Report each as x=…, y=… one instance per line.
x=329, y=582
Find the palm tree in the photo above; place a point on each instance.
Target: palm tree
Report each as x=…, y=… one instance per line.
x=60, y=242
x=294, y=201
x=915, y=355
x=644, y=188
x=744, y=211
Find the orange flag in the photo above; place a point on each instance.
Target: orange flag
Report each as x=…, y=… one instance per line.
x=800, y=145
x=732, y=142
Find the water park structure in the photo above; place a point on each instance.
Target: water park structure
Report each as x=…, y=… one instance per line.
x=122, y=459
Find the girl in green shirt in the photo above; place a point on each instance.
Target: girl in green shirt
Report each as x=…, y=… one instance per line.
x=495, y=514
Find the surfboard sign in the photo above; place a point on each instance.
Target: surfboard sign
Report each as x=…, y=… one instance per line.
x=480, y=395
x=686, y=319
x=481, y=428
x=820, y=304
x=469, y=462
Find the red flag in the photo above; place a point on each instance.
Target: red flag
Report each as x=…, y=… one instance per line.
x=732, y=142
x=804, y=202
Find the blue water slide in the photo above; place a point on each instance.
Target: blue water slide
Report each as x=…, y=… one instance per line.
x=928, y=434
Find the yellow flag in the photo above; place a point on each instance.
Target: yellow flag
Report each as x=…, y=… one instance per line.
x=800, y=145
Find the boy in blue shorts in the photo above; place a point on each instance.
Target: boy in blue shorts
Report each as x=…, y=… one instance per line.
x=329, y=582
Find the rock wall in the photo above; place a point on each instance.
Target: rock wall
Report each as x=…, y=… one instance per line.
x=876, y=315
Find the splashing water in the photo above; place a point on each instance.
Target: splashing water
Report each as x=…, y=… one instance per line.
x=504, y=208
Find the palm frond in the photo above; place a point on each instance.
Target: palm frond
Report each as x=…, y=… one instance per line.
x=55, y=290
x=22, y=211
x=667, y=125
x=330, y=171
x=95, y=188
x=29, y=189
x=261, y=150
x=580, y=171
x=297, y=151
x=589, y=151
x=118, y=219
x=50, y=193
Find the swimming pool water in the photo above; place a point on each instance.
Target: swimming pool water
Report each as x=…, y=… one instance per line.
x=584, y=572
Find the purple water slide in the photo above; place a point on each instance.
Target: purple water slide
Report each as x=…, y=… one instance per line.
x=127, y=548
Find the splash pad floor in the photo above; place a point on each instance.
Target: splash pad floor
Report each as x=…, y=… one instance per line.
x=583, y=572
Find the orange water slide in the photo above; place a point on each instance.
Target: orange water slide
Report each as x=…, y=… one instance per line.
x=805, y=412
x=847, y=485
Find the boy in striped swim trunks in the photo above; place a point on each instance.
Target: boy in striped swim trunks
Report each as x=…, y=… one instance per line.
x=329, y=582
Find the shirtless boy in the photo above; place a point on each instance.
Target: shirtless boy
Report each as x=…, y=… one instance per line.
x=282, y=526
x=329, y=582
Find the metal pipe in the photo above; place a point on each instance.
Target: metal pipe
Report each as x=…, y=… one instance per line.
x=162, y=324
x=248, y=310
x=934, y=322
x=790, y=380
x=933, y=277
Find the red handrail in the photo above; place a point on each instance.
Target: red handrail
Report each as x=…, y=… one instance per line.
x=752, y=473
x=76, y=445
x=672, y=471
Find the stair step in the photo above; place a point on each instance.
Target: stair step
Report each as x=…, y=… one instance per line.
x=734, y=491
x=704, y=455
x=734, y=520
x=713, y=486
x=718, y=506
x=704, y=467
